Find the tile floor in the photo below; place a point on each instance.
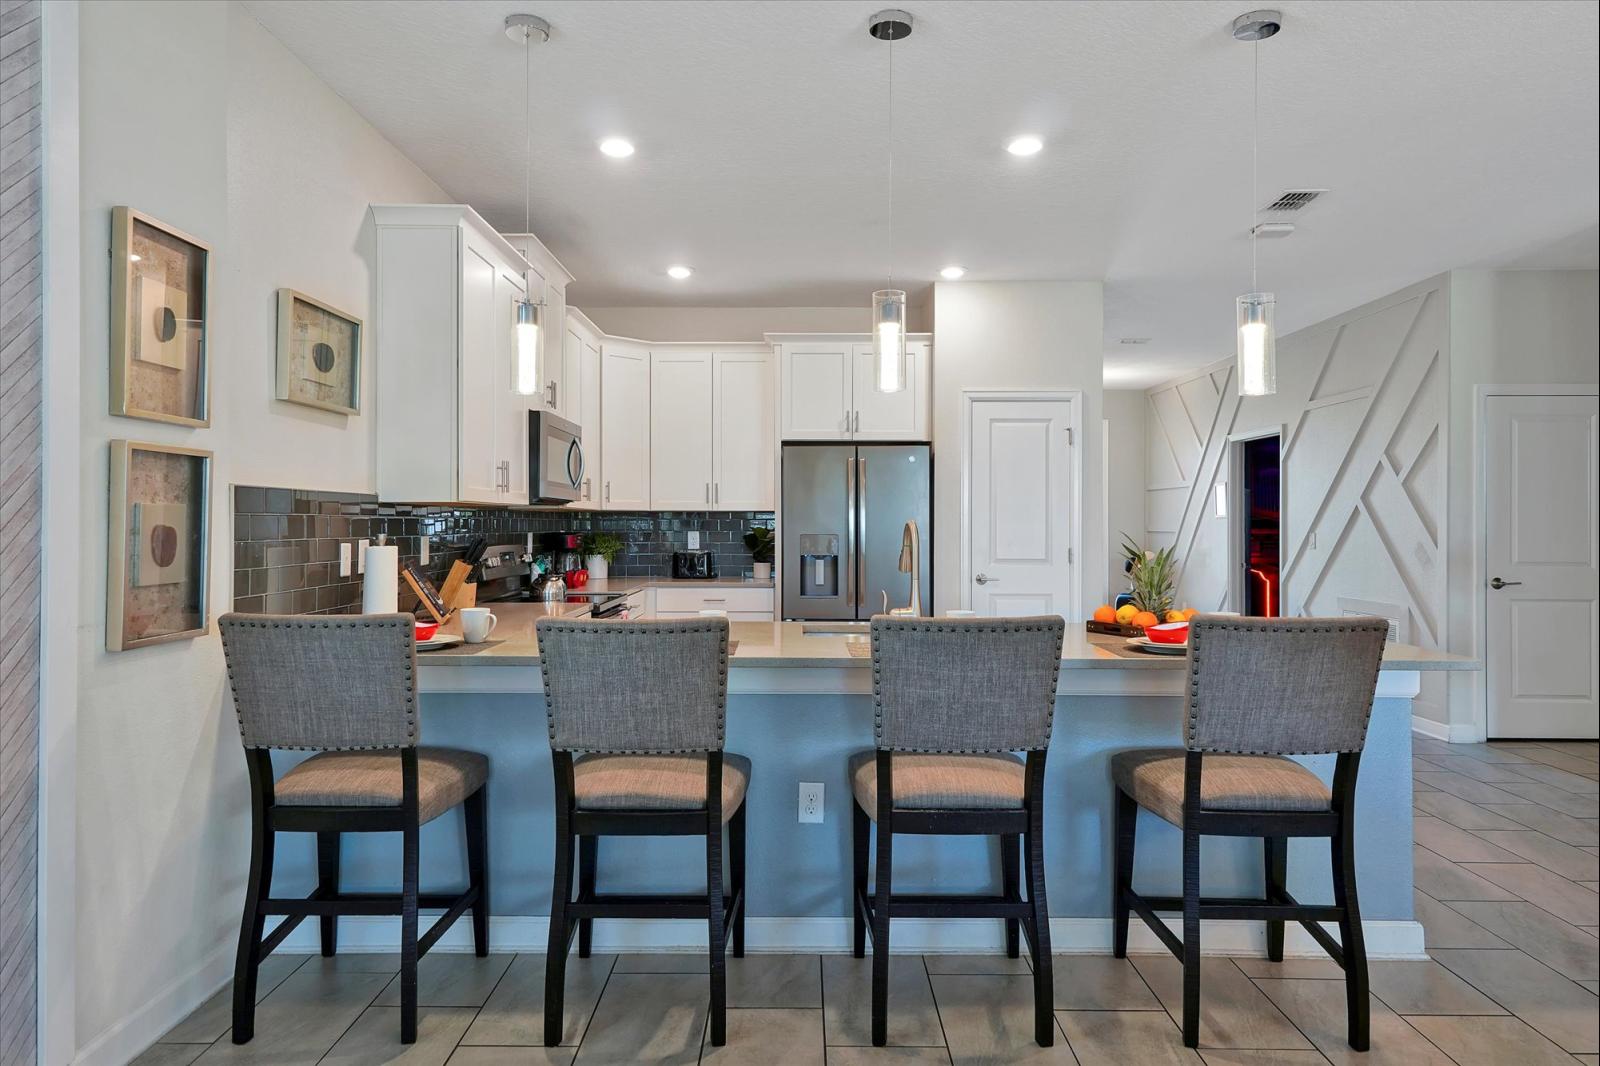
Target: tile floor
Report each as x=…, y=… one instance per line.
x=1508, y=845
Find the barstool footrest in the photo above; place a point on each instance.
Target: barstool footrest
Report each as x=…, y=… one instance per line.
x=619, y=905
x=1242, y=909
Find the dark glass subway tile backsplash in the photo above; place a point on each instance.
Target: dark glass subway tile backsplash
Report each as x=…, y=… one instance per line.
x=286, y=542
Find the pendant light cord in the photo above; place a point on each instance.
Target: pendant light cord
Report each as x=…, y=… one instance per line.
x=1255, y=152
x=527, y=120
x=890, y=283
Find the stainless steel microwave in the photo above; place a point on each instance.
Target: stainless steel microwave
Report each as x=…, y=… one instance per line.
x=555, y=459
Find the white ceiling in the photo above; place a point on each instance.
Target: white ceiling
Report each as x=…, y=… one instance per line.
x=1450, y=134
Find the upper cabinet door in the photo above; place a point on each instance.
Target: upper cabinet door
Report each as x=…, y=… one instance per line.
x=511, y=416
x=680, y=430
x=589, y=420
x=482, y=385
x=745, y=446
x=816, y=391
x=899, y=415
x=625, y=427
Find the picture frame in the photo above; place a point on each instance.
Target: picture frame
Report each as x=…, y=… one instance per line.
x=158, y=580
x=160, y=321
x=319, y=354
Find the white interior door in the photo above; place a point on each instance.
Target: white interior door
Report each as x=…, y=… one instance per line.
x=1022, y=518
x=1541, y=566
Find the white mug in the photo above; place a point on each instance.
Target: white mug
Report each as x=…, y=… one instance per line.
x=477, y=623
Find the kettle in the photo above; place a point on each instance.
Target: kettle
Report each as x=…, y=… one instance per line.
x=550, y=587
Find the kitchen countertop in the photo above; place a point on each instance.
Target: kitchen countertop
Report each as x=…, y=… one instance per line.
x=786, y=645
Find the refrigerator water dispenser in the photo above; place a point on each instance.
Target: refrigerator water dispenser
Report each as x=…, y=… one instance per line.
x=819, y=564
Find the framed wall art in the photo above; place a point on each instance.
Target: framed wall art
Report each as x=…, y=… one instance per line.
x=319, y=354
x=160, y=288
x=158, y=577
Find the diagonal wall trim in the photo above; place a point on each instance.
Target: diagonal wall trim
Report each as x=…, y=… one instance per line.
x=21, y=457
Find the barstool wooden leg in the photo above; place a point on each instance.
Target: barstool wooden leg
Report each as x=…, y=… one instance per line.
x=588, y=859
x=716, y=934
x=328, y=888
x=1010, y=881
x=555, y=961
x=1276, y=854
x=475, y=815
x=408, y=936
x=1358, y=1003
x=251, y=927
x=1125, y=823
x=736, y=877
x=1191, y=938
x=881, y=897
x=1044, y=1019
x=860, y=850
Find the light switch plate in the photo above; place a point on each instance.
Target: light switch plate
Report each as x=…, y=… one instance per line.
x=344, y=558
x=361, y=555
x=424, y=551
x=694, y=539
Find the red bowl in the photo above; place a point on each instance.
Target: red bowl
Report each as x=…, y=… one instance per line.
x=1168, y=633
x=426, y=630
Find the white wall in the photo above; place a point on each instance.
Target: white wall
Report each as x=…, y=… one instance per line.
x=1023, y=335
x=1124, y=416
x=1509, y=327
x=195, y=114
x=740, y=323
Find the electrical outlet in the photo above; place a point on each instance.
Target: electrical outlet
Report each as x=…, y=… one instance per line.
x=694, y=539
x=361, y=555
x=424, y=552
x=344, y=558
x=811, y=801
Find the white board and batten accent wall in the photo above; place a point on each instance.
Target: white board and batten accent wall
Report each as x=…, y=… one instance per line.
x=1362, y=403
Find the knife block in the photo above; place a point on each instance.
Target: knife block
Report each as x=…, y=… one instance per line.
x=454, y=584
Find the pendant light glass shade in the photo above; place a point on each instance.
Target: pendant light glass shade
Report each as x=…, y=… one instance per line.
x=527, y=347
x=1258, y=344
x=889, y=338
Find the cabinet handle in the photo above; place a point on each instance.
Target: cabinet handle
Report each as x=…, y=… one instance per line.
x=857, y=428
x=550, y=391
x=711, y=599
x=608, y=492
x=708, y=493
x=586, y=489
x=716, y=492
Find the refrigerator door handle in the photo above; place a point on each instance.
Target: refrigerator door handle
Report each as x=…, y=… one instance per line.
x=851, y=541
x=861, y=537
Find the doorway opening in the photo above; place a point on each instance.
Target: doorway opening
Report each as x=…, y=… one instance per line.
x=1256, y=527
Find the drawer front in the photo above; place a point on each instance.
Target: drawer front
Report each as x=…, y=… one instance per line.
x=693, y=600
x=733, y=616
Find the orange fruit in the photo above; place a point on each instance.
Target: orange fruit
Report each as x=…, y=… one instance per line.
x=1188, y=613
x=1126, y=612
x=1177, y=616
x=1146, y=619
x=1105, y=613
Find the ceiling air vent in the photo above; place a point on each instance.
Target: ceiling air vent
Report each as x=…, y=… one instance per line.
x=1293, y=200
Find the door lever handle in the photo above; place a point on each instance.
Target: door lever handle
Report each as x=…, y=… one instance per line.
x=984, y=579
x=1499, y=583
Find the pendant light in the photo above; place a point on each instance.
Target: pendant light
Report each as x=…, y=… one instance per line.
x=529, y=315
x=1255, y=311
x=889, y=303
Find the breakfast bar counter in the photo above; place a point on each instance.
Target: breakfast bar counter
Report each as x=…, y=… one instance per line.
x=799, y=705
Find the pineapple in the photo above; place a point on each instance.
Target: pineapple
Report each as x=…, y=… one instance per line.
x=1152, y=577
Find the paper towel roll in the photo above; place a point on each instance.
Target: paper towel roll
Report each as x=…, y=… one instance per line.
x=380, y=587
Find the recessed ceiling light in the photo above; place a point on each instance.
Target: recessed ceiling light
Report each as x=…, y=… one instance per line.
x=679, y=272
x=617, y=147
x=953, y=273
x=1026, y=145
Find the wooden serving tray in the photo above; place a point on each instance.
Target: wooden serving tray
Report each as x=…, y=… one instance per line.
x=1116, y=629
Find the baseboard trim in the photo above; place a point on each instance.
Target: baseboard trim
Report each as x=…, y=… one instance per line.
x=912, y=936
x=128, y=1038
x=1429, y=728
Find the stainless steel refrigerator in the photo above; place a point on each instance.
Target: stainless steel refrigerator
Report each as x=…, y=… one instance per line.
x=845, y=509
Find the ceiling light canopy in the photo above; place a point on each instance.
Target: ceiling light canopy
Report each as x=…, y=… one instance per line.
x=617, y=147
x=953, y=273
x=679, y=272
x=1025, y=145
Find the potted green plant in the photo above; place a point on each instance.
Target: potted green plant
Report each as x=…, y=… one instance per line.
x=601, y=550
x=762, y=550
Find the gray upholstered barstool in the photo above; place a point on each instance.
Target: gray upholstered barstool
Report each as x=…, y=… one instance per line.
x=1259, y=689
x=345, y=687
x=642, y=706
x=954, y=700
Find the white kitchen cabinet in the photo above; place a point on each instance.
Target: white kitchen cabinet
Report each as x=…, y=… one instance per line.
x=745, y=461
x=624, y=426
x=829, y=389
x=681, y=430
x=581, y=358
x=752, y=604
x=450, y=424
x=546, y=282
